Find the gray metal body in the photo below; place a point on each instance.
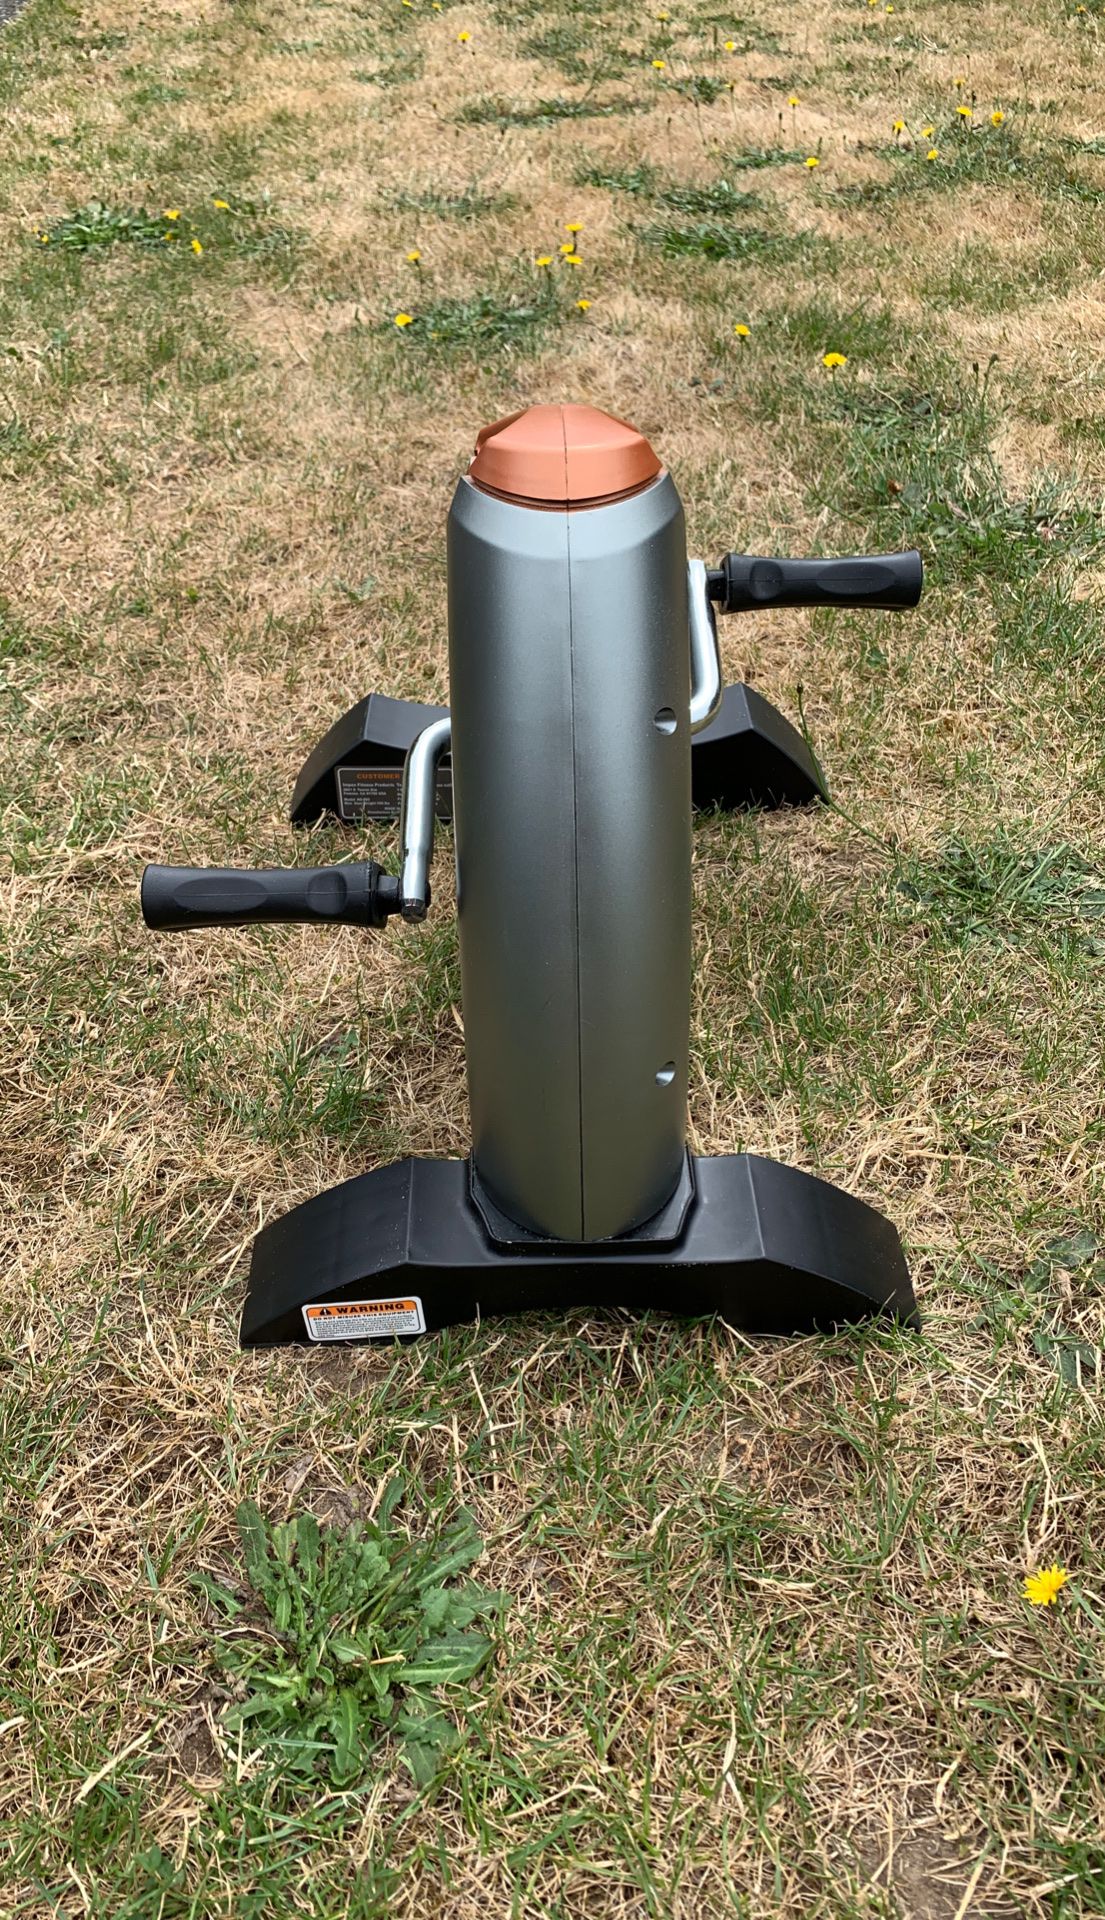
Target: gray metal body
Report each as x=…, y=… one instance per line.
x=569, y=663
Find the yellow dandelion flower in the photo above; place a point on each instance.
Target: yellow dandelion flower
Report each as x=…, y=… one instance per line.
x=197, y=247
x=413, y=257
x=663, y=17
x=1040, y=1589
x=573, y=259
x=741, y=330
x=730, y=46
x=567, y=246
x=834, y=360
x=889, y=9
x=45, y=239
x=932, y=154
x=403, y=319
x=965, y=112
x=898, y=127
x=793, y=100
x=960, y=80
x=997, y=117
x=170, y=234
x=659, y=65
x=927, y=132
x=573, y=226
x=543, y=260
x=172, y=213
x=584, y=306
x=463, y=38
x=812, y=160
x=221, y=206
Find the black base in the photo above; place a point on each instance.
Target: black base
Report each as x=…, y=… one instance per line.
x=748, y=756
x=507, y=1236
x=356, y=769
x=769, y=1248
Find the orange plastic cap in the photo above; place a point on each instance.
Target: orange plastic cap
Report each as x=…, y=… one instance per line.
x=568, y=456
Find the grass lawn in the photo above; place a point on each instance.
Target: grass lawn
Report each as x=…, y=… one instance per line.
x=749, y=1636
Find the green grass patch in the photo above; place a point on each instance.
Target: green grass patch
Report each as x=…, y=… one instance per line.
x=577, y=51
x=221, y=229
x=969, y=156
x=590, y=13
x=151, y=93
x=640, y=179
x=512, y=316
x=750, y=36
x=1038, y=624
x=913, y=463
x=96, y=225
x=472, y=203
x=982, y=278
x=1002, y=888
x=718, y=197
x=497, y=112
x=709, y=240
x=345, y=1639
x=703, y=88
x=736, y=159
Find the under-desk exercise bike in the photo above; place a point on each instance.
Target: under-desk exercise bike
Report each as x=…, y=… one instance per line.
x=587, y=718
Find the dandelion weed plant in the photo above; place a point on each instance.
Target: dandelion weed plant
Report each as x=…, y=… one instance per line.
x=346, y=1639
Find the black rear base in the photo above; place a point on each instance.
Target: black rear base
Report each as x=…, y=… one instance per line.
x=769, y=1248
x=748, y=756
x=356, y=769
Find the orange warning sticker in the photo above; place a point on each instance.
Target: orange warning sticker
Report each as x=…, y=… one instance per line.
x=363, y=1319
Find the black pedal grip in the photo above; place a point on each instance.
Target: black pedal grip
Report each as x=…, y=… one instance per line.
x=746, y=580
x=178, y=899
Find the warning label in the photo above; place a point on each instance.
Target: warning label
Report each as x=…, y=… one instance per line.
x=363, y=1319
x=372, y=793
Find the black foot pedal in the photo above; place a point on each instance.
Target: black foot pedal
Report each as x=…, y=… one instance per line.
x=748, y=756
x=356, y=771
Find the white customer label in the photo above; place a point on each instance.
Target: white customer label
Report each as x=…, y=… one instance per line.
x=364, y=1319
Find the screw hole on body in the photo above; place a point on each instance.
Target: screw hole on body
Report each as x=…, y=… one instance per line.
x=666, y=1074
x=664, y=720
